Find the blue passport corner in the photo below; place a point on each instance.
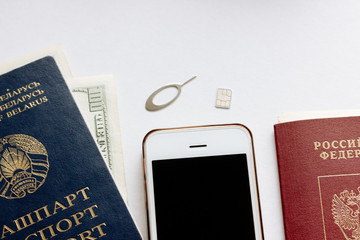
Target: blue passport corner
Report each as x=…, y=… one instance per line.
x=54, y=183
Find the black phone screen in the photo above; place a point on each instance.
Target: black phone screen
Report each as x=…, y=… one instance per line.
x=203, y=198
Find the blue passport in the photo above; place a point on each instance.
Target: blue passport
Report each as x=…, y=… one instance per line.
x=54, y=183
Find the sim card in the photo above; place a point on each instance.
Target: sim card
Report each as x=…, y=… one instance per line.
x=223, y=98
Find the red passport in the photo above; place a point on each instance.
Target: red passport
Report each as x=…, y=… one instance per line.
x=319, y=170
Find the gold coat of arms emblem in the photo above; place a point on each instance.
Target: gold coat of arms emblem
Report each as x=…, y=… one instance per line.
x=345, y=210
x=24, y=165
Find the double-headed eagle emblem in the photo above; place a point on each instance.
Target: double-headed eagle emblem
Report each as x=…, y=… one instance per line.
x=23, y=165
x=345, y=210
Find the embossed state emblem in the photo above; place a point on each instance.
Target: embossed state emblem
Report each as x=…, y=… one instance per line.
x=345, y=210
x=24, y=165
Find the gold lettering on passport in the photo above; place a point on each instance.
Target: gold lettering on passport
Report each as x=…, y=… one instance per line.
x=23, y=165
x=19, y=91
x=51, y=210
x=345, y=211
x=27, y=106
x=339, y=149
x=20, y=100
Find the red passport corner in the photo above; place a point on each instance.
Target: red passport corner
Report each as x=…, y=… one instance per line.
x=319, y=170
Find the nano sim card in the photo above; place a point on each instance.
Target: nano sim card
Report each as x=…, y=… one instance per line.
x=223, y=98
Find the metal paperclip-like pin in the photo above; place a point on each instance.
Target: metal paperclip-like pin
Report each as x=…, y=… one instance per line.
x=151, y=106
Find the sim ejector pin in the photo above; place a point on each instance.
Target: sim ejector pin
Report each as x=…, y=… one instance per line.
x=188, y=81
x=151, y=106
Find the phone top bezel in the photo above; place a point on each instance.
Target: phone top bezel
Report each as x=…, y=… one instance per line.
x=220, y=150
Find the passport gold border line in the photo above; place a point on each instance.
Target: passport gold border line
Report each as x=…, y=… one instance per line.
x=322, y=208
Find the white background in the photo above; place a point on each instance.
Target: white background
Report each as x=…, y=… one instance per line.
x=275, y=55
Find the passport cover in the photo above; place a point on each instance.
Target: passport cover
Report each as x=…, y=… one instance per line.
x=54, y=183
x=319, y=170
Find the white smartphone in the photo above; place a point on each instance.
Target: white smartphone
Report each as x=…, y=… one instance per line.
x=201, y=184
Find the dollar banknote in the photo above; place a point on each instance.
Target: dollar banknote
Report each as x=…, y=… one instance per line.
x=97, y=100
